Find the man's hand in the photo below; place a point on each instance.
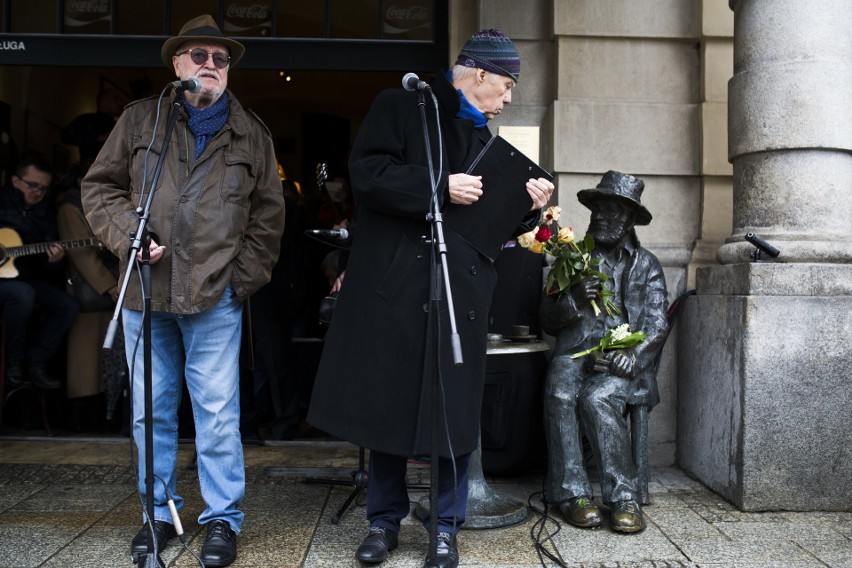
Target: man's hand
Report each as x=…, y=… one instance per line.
x=465, y=189
x=55, y=253
x=540, y=191
x=156, y=252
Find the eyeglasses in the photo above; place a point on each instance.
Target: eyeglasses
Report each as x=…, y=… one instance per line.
x=34, y=185
x=199, y=57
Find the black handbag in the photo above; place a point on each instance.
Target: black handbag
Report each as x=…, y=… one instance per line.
x=88, y=297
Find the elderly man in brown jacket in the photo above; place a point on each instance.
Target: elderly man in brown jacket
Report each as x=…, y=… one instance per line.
x=216, y=221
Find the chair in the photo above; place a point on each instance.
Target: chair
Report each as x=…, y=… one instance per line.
x=27, y=385
x=638, y=407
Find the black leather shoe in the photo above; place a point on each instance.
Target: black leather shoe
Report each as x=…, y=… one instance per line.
x=14, y=375
x=40, y=378
x=447, y=553
x=376, y=546
x=220, y=546
x=163, y=533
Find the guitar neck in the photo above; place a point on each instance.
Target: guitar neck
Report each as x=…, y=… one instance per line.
x=35, y=248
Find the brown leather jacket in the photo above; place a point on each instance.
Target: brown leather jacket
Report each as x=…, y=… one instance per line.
x=220, y=217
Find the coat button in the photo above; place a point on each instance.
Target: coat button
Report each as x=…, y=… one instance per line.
x=471, y=315
x=473, y=270
x=183, y=199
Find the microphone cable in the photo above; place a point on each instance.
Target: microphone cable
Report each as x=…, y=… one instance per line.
x=538, y=528
x=148, y=149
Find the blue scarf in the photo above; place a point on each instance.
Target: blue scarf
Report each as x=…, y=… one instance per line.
x=467, y=110
x=205, y=122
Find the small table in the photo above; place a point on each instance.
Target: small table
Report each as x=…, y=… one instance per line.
x=485, y=508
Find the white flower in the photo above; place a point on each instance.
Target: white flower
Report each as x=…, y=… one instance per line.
x=620, y=332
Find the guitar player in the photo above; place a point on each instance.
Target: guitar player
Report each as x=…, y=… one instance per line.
x=26, y=208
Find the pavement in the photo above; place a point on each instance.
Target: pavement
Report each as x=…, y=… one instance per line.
x=71, y=502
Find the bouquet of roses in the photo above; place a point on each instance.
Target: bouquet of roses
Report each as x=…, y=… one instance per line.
x=617, y=338
x=573, y=261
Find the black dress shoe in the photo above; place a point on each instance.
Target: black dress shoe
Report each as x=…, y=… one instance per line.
x=163, y=533
x=376, y=546
x=447, y=553
x=220, y=546
x=627, y=517
x=581, y=512
x=40, y=378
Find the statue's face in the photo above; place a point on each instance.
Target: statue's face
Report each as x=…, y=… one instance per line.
x=610, y=221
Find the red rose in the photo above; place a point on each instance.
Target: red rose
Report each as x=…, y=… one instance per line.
x=543, y=234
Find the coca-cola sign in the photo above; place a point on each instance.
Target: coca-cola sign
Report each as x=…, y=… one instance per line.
x=408, y=19
x=91, y=14
x=248, y=18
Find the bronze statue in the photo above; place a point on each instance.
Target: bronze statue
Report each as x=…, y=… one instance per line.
x=599, y=389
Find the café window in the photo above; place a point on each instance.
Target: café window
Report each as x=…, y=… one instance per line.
x=412, y=20
x=87, y=16
x=139, y=18
x=301, y=19
x=248, y=18
x=407, y=19
x=32, y=16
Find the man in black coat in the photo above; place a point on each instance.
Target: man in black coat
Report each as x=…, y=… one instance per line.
x=598, y=391
x=373, y=387
x=27, y=218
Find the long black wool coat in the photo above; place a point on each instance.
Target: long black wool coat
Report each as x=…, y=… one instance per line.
x=373, y=386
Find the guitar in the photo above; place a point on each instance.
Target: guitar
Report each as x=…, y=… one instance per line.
x=11, y=247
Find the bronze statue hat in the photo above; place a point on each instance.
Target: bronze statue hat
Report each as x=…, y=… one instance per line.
x=201, y=28
x=620, y=186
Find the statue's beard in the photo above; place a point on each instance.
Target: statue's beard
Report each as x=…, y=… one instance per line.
x=605, y=234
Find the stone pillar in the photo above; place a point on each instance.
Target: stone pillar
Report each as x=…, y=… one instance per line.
x=765, y=365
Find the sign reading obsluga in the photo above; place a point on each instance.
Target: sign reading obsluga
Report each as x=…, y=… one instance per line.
x=247, y=18
x=87, y=16
x=407, y=19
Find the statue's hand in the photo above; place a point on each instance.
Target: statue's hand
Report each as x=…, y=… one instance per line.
x=621, y=364
x=586, y=290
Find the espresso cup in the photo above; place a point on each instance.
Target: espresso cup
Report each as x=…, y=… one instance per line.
x=520, y=330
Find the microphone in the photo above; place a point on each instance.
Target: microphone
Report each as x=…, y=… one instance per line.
x=341, y=234
x=412, y=82
x=193, y=85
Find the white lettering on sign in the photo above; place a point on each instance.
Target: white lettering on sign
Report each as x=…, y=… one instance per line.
x=250, y=12
x=12, y=46
x=88, y=6
x=411, y=13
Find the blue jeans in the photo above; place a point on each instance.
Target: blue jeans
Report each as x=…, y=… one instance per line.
x=204, y=348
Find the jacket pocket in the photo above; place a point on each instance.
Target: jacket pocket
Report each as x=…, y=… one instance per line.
x=400, y=270
x=238, y=179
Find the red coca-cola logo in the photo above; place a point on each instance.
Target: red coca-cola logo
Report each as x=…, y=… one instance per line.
x=248, y=11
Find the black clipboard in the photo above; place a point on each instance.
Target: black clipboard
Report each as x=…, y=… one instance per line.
x=492, y=220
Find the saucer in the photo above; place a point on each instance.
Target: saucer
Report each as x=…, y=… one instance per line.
x=528, y=337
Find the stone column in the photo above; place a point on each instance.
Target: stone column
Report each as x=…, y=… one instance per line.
x=765, y=365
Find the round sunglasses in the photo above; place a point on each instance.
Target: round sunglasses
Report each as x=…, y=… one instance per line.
x=199, y=57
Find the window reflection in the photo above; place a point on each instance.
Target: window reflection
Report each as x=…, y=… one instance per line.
x=248, y=18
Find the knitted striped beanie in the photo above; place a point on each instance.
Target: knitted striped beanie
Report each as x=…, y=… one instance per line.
x=493, y=51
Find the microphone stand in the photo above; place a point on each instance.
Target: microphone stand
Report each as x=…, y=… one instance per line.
x=141, y=241
x=434, y=325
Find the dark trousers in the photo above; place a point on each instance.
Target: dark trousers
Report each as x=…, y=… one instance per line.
x=387, y=496
x=18, y=298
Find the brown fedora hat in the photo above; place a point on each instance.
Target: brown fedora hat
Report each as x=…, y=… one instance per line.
x=202, y=28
